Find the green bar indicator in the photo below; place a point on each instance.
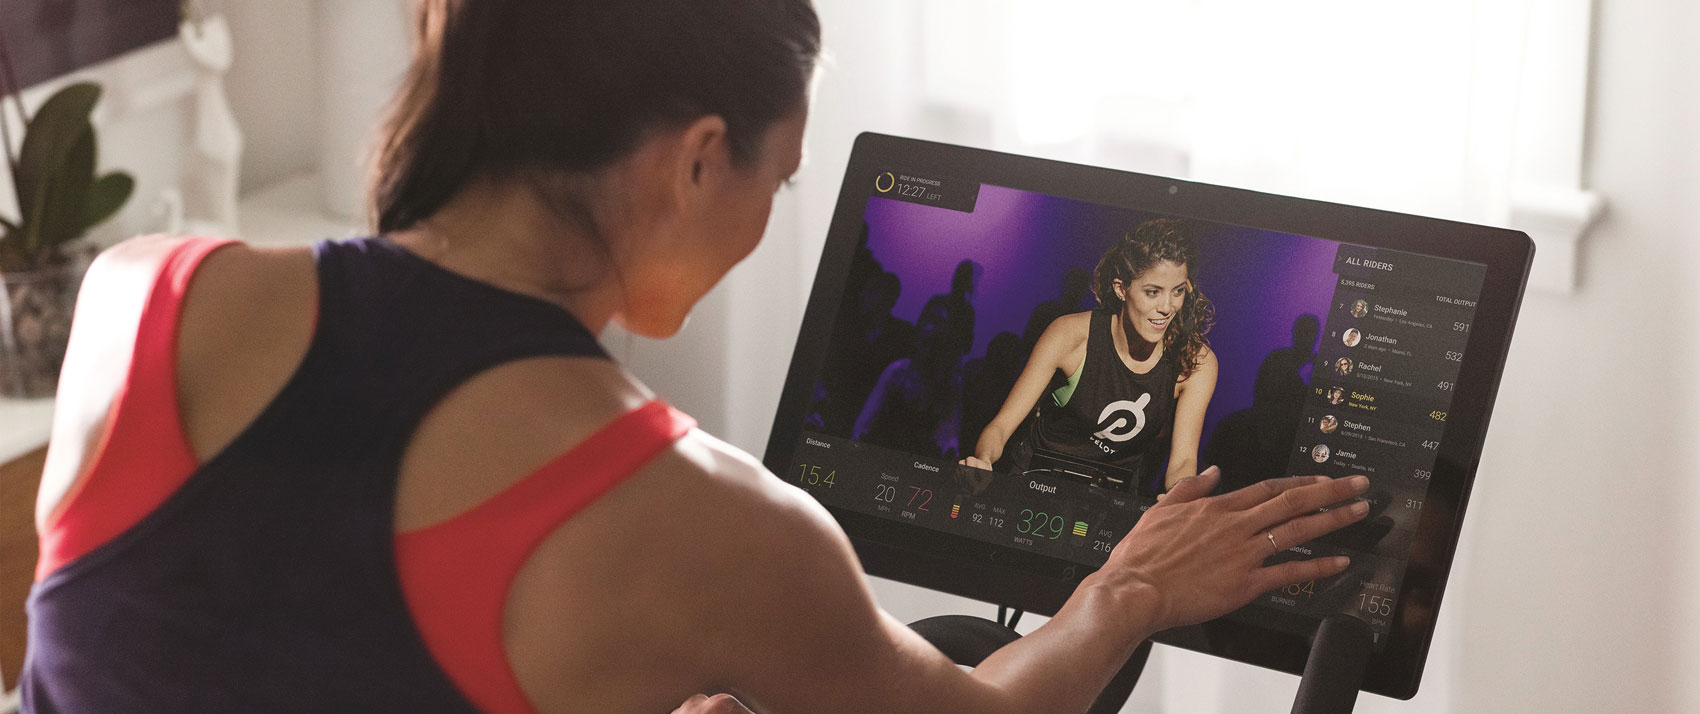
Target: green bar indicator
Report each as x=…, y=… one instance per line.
x=1080, y=528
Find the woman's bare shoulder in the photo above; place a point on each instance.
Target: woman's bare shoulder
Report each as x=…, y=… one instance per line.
x=1071, y=328
x=248, y=298
x=246, y=324
x=1203, y=372
x=1205, y=362
x=502, y=424
x=236, y=314
x=235, y=266
x=640, y=596
x=736, y=475
x=1074, y=322
x=1066, y=335
x=510, y=420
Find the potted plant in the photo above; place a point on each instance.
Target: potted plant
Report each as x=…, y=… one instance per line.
x=59, y=198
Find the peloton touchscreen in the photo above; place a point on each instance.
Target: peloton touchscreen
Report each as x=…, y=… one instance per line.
x=1265, y=354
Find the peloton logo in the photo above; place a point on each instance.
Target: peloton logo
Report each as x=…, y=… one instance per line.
x=1122, y=420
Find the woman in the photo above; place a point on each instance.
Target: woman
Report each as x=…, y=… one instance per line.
x=1134, y=371
x=397, y=474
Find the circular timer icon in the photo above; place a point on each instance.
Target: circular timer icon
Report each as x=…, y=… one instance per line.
x=885, y=182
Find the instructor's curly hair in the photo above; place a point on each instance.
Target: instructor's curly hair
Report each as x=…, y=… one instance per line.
x=1146, y=245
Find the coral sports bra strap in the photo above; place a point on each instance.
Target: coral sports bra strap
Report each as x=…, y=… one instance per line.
x=143, y=455
x=457, y=574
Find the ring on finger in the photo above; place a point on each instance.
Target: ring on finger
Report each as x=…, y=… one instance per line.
x=1271, y=536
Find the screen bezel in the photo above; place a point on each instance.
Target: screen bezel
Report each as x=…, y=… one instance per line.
x=1007, y=576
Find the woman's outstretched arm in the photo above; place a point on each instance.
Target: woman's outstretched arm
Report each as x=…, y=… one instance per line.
x=1195, y=393
x=800, y=631
x=823, y=646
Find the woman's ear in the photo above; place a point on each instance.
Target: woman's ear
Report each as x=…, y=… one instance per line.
x=703, y=145
x=1120, y=289
x=676, y=164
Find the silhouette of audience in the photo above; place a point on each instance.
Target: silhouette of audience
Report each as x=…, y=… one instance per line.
x=986, y=381
x=1075, y=287
x=916, y=404
x=1251, y=445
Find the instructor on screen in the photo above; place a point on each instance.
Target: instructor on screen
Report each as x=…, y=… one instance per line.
x=1136, y=369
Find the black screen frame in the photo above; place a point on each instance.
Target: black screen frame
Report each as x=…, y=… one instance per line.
x=1006, y=576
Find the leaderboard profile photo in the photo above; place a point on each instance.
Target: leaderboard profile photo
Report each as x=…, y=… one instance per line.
x=1343, y=366
x=1328, y=424
x=1336, y=395
x=1360, y=308
x=1320, y=453
x=1352, y=337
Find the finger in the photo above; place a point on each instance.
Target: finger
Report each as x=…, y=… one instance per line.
x=694, y=704
x=1296, y=502
x=726, y=704
x=1299, y=571
x=1261, y=491
x=1301, y=530
x=1193, y=488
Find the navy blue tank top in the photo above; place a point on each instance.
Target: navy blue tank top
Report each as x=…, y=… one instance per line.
x=268, y=583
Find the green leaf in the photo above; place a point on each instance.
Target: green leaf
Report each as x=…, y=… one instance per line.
x=56, y=215
x=53, y=132
x=105, y=197
x=64, y=218
x=8, y=242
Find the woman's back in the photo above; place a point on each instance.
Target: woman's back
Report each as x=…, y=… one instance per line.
x=270, y=571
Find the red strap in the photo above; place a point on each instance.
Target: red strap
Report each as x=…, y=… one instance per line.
x=143, y=456
x=456, y=574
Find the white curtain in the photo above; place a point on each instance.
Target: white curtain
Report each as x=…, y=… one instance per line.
x=1462, y=109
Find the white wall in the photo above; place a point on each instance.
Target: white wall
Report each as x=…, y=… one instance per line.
x=273, y=88
x=1582, y=550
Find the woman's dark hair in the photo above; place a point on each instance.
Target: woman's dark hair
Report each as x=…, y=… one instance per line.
x=1148, y=244
x=543, y=89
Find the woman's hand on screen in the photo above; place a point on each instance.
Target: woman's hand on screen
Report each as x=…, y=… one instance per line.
x=976, y=462
x=1203, y=556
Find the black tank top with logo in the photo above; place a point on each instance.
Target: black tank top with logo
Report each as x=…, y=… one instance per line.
x=1116, y=417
